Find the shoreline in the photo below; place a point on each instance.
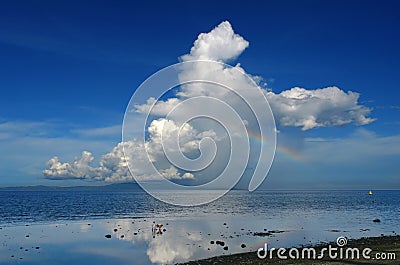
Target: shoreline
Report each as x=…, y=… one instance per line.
x=382, y=244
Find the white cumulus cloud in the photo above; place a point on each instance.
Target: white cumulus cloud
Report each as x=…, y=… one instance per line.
x=79, y=168
x=296, y=107
x=220, y=44
x=323, y=107
x=113, y=166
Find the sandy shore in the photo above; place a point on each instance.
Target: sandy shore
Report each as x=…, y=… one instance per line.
x=383, y=244
x=130, y=241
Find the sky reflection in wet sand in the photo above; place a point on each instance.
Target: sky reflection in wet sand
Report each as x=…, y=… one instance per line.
x=84, y=242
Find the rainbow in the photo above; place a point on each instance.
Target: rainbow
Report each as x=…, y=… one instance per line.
x=282, y=150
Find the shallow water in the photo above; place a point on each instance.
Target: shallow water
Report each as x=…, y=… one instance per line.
x=58, y=224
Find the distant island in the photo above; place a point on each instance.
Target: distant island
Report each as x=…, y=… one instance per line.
x=130, y=186
x=111, y=187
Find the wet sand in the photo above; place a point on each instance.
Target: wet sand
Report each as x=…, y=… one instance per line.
x=382, y=244
x=131, y=241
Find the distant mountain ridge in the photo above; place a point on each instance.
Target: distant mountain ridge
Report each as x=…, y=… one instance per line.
x=110, y=187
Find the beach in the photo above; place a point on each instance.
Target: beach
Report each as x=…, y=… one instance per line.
x=390, y=245
x=217, y=240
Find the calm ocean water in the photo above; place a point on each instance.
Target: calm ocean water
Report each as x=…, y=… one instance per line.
x=44, y=206
x=69, y=227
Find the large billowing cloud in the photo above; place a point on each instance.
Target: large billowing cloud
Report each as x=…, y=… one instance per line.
x=296, y=107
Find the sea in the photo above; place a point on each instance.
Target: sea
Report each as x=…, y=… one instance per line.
x=66, y=227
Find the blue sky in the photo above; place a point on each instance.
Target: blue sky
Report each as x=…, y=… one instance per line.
x=68, y=70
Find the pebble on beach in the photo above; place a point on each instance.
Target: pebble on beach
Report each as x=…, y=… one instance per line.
x=261, y=234
x=221, y=243
x=376, y=220
x=108, y=236
x=243, y=245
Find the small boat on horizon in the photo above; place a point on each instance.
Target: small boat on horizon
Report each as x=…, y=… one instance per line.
x=370, y=192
